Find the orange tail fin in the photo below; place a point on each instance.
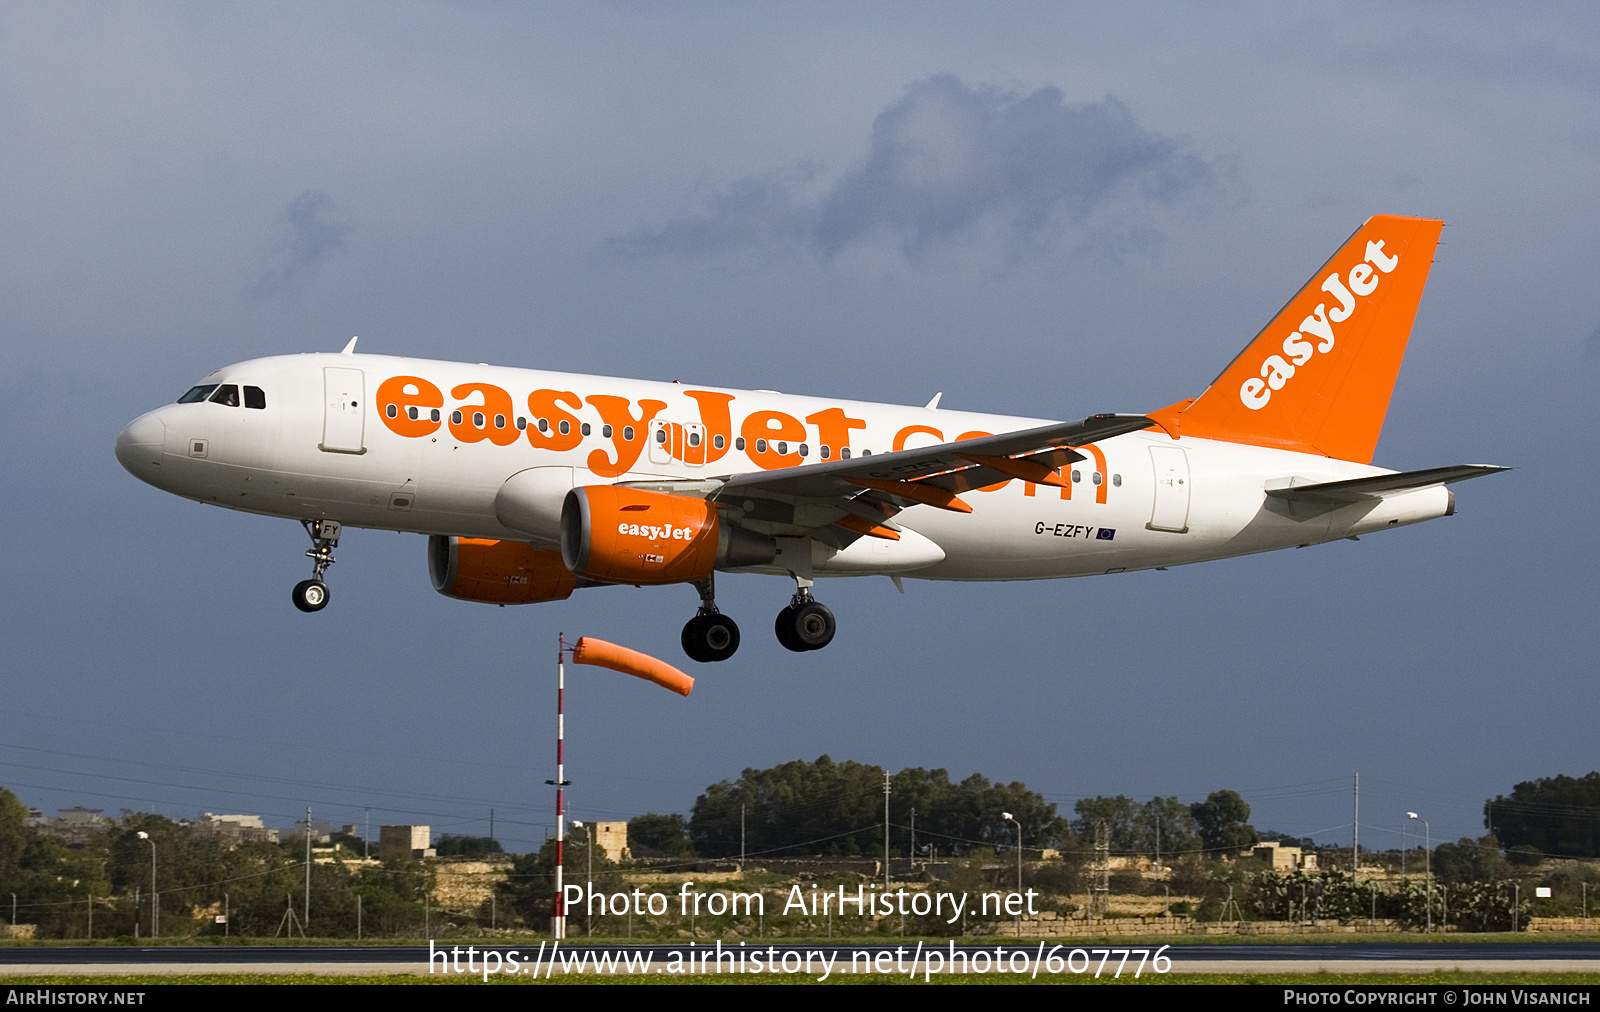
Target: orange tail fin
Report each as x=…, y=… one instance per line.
x=1318, y=378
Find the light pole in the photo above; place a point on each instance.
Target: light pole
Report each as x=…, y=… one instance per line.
x=155, y=907
x=1427, y=849
x=588, y=849
x=1007, y=816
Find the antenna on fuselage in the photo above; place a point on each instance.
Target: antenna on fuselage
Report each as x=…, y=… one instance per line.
x=350, y=349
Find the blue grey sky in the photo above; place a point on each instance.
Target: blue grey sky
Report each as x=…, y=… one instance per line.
x=1044, y=209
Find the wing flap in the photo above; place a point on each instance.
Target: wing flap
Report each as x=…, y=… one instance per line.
x=945, y=466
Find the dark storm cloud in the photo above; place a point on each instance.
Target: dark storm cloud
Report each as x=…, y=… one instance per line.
x=306, y=236
x=945, y=161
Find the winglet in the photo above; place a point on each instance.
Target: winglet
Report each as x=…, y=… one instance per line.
x=350, y=349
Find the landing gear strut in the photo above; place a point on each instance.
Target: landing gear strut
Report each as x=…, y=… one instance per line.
x=710, y=635
x=806, y=624
x=312, y=594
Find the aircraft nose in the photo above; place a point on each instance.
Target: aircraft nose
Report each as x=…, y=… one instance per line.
x=139, y=446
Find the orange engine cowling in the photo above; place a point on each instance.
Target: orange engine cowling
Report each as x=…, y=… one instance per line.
x=628, y=535
x=497, y=572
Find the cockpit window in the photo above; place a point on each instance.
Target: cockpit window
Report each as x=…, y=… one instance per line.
x=255, y=397
x=198, y=393
x=227, y=393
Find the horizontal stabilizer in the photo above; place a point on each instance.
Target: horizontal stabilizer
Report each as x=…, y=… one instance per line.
x=1338, y=493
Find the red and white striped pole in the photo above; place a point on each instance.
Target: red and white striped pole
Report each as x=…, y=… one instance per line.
x=558, y=920
x=606, y=655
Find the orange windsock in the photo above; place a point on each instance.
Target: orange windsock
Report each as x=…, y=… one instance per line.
x=631, y=662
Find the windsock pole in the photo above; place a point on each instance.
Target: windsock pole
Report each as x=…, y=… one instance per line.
x=589, y=650
x=558, y=919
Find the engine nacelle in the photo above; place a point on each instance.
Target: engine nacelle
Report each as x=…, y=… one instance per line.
x=628, y=535
x=497, y=572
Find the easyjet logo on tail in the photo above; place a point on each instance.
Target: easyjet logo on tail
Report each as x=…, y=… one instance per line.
x=1327, y=361
x=1315, y=336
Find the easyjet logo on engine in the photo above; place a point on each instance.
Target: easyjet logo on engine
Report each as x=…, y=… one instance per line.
x=665, y=533
x=1298, y=347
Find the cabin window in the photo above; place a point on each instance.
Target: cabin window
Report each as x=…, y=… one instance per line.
x=255, y=397
x=1077, y=476
x=1116, y=480
x=195, y=394
x=499, y=421
x=585, y=428
x=565, y=427
x=627, y=433
x=227, y=394
x=392, y=411
x=1095, y=477
x=824, y=451
x=718, y=441
x=455, y=417
x=804, y=449
x=411, y=413
x=477, y=419
x=761, y=446
x=522, y=423
x=661, y=436
x=694, y=439
x=738, y=444
x=783, y=446
x=544, y=425
x=605, y=430
x=434, y=415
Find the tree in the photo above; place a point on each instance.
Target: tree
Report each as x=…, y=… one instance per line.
x=1558, y=816
x=1174, y=820
x=530, y=887
x=1122, y=816
x=1468, y=860
x=825, y=807
x=652, y=835
x=792, y=809
x=1222, y=820
x=451, y=845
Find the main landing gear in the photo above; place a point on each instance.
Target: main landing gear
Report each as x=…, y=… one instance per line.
x=312, y=594
x=806, y=624
x=710, y=635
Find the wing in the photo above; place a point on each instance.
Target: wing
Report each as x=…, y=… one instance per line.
x=862, y=495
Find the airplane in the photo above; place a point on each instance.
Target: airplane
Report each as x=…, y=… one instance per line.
x=531, y=485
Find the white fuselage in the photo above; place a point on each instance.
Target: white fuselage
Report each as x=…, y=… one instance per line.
x=323, y=448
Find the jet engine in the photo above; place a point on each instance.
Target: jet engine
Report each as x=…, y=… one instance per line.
x=627, y=535
x=497, y=572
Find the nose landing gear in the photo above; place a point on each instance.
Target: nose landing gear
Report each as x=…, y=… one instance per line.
x=710, y=635
x=312, y=595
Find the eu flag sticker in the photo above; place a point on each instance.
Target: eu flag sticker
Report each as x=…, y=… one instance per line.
x=1105, y=534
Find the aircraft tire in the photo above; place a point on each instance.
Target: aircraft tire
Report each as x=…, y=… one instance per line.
x=693, y=639
x=310, y=595
x=784, y=628
x=813, y=625
x=716, y=638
